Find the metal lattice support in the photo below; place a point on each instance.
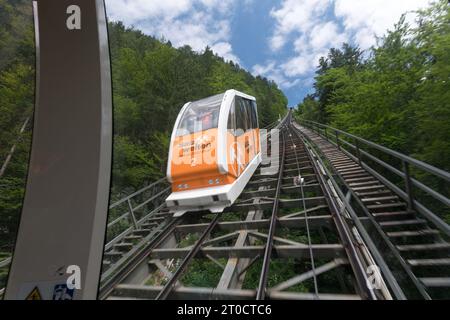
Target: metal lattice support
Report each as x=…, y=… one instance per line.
x=312, y=229
x=285, y=220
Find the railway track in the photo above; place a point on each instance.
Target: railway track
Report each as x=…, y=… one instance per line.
x=319, y=222
x=282, y=239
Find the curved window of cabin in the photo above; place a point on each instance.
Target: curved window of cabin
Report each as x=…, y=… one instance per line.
x=254, y=115
x=249, y=114
x=231, y=123
x=252, y=122
x=200, y=116
x=252, y=110
x=241, y=117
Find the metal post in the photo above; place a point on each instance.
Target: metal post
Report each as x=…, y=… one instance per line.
x=133, y=218
x=13, y=148
x=337, y=140
x=408, y=185
x=358, y=151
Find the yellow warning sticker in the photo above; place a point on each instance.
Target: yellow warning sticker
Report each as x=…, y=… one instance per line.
x=34, y=294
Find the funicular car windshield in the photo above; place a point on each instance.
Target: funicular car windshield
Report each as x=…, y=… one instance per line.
x=200, y=116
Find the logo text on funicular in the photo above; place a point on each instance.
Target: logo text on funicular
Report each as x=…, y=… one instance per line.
x=200, y=148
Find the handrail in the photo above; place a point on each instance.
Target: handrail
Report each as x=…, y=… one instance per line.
x=128, y=198
x=424, y=166
x=115, y=204
x=405, y=175
x=5, y=262
x=159, y=188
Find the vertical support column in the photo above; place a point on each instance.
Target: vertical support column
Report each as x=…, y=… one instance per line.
x=13, y=148
x=62, y=226
x=358, y=151
x=408, y=185
x=337, y=140
x=133, y=217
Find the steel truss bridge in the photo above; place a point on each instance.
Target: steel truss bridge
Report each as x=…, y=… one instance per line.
x=341, y=218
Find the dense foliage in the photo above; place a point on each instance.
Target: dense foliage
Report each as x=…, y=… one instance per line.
x=151, y=82
x=16, y=106
x=397, y=94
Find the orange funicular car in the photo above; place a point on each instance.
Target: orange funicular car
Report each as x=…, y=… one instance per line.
x=214, y=150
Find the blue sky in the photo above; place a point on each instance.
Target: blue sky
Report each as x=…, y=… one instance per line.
x=281, y=40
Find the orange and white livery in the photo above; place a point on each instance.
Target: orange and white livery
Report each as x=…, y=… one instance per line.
x=214, y=150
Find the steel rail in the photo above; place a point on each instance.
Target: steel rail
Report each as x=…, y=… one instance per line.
x=108, y=285
x=311, y=254
x=262, y=286
x=407, y=269
x=388, y=275
x=395, y=253
x=344, y=233
x=168, y=287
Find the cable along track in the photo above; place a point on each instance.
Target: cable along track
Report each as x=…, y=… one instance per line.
x=280, y=240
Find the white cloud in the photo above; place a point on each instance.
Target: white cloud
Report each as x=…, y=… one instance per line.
x=277, y=42
x=297, y=66
x=132, y=11
x=260, y=70
x=275, y=73
x=197, y=23
x=295, y=16
x=302, y=23
x=312, y=27
x=326, y=35
x=225, y=50
x=373, y=17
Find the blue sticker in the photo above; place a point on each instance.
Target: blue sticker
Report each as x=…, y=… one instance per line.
x=62, y=292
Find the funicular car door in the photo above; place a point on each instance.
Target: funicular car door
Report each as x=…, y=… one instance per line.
x=255, y=126
x=232, y=142
x=245, y=139
x=241, y=136
x=236, y=140
x=251, y=132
